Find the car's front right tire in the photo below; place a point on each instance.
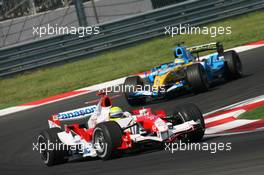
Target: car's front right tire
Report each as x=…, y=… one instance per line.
x=233, y=66
x=187, y=112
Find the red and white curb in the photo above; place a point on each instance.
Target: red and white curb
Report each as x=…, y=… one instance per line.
x=97, y=87
x=225, y=120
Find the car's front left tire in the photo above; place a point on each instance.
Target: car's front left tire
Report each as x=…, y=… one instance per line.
x=52, y=150
x=107, y=137
x=130, y=85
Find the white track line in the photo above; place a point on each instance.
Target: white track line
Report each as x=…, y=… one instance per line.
x=227, y=126
x=223, y=116
x=103, y=86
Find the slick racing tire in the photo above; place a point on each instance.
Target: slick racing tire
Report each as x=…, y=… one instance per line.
x=52, y=150
x=130, y=86
x=233, y=65
x=197, y=77
x=187, y=112
x=107, y=137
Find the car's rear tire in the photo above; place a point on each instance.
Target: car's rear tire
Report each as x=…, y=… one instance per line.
x=233, y=66
x=197, y=78
x=107, y=137
x=52, y=155
x=187, y=112
x=130, y=85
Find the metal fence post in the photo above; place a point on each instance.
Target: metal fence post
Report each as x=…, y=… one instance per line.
x=80, y=13
x=95, y=12
x=32, y=7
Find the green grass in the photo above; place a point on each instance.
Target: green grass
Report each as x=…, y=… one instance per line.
x=110, y=65
x=257, y=113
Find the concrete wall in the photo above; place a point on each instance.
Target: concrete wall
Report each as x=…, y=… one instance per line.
x=116, y=9
x=20, y=30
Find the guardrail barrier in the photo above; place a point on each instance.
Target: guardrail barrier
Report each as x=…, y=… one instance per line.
x=118, y=33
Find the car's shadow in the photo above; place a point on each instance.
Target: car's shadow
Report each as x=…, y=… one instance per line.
x=147, y=149
x=180, y=95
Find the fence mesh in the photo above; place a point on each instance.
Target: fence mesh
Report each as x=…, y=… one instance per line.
x=18, y=17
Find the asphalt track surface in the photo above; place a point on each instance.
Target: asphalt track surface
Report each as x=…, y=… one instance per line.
x=18, y=132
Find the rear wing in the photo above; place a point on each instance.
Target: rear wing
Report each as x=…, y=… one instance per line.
x=206, y=47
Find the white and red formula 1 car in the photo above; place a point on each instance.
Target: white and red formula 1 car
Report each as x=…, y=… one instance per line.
x=90, y=132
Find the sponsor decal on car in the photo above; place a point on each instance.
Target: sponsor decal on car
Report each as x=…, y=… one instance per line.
x=77, y=112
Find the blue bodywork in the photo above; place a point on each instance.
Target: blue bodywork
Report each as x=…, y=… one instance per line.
x=214, y=64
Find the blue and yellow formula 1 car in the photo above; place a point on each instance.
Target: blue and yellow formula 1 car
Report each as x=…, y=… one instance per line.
x=188, y=72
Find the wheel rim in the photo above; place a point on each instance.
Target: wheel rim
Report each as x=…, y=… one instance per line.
x=99, y=141
x=43, y=146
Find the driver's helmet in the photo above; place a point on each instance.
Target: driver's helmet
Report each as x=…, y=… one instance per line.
x=116, y=113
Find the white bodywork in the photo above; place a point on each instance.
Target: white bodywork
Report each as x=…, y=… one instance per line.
x=97, y=114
